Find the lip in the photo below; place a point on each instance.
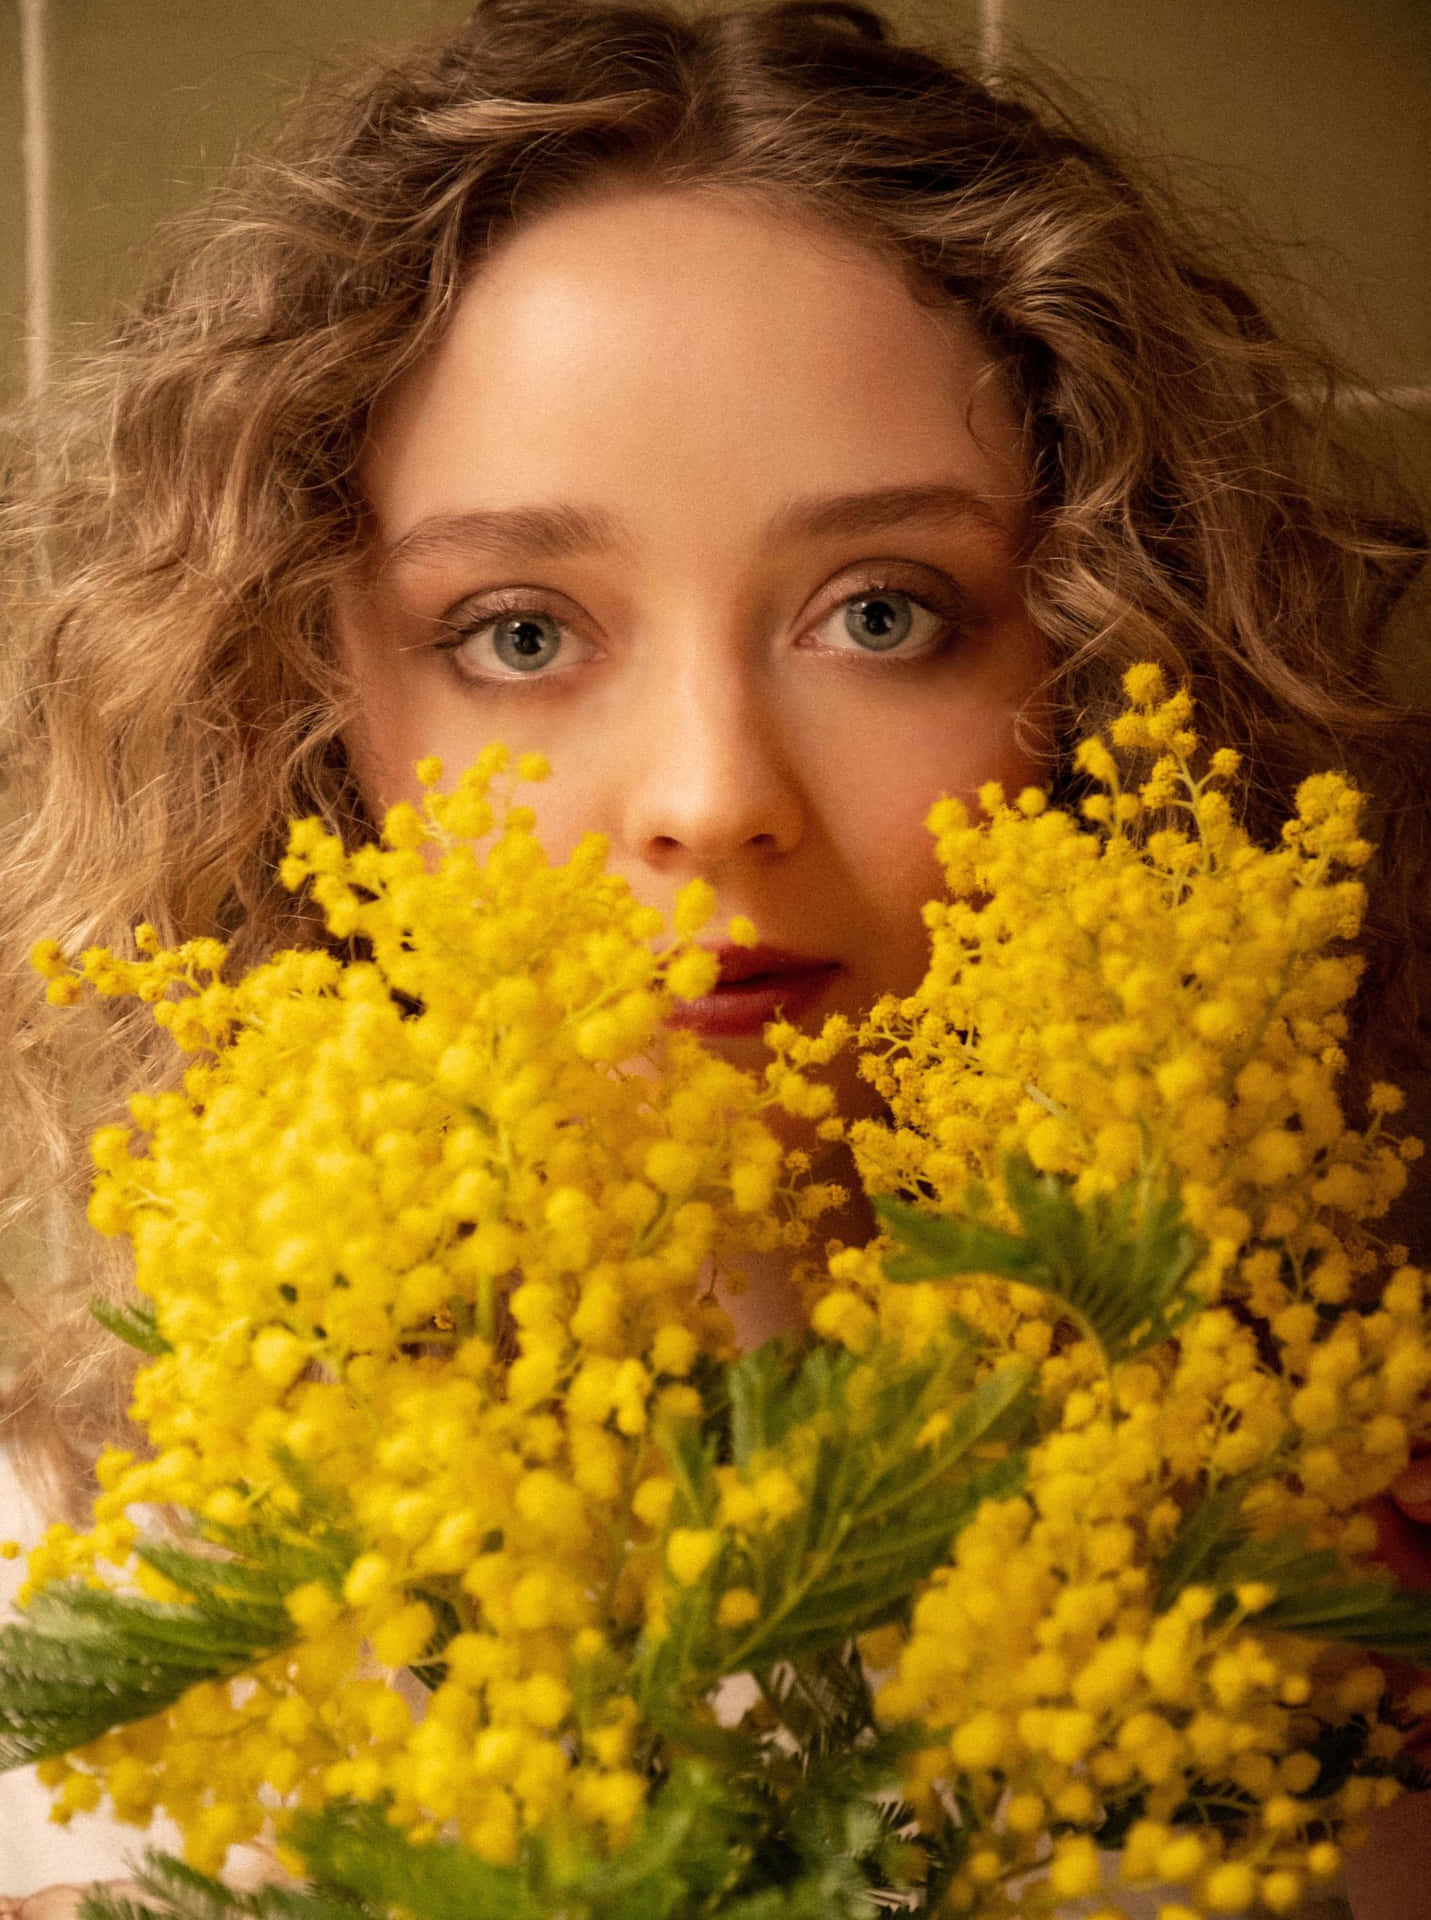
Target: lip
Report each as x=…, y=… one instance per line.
x=757, y=985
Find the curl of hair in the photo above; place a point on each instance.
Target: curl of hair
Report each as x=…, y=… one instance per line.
x=173, y=537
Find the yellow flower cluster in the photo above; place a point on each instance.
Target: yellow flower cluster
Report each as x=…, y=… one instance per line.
x=1072, y=1691
x=1140, y=1000
x=428, y=1228
x=1147, y=997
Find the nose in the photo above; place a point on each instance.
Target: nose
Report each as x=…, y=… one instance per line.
x=710, y=781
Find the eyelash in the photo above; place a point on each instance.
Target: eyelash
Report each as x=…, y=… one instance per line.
x=497, y=607
x=505, y=606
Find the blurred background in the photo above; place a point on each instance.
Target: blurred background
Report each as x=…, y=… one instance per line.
x=1313, y=115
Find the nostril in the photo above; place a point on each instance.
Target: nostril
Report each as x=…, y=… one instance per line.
x=710, y=807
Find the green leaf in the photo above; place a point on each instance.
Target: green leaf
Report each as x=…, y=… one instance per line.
x=882, y=1451
x=1204, y=1537
x=937, y=1245
x=711, y=1846
x=1373, y=1614
x=354, y=1850
x=824, y=1700
x=85, y=1659
x=707, y=1840
x=777, y=1388
x=170, y=1890
x=1118, y=1263
x=135, y=1325
x=1215, y=1548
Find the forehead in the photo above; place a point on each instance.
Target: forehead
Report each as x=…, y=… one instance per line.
x=662, y=338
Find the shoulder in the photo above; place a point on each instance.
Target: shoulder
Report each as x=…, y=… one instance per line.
x=56, y=1903
x=45, y=1869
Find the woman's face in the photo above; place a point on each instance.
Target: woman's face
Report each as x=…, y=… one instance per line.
x=697, y=498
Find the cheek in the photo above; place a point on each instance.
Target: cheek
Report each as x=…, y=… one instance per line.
x=898, y=872
x=383, y=761
x=401, y=712
x=567, y=809
x=885, y=802
x=882, y=802
x=379, y=734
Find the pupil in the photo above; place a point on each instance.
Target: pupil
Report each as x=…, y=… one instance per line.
x=527, y=641
x=881, y=622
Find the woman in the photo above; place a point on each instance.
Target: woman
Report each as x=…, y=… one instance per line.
x=765, y=420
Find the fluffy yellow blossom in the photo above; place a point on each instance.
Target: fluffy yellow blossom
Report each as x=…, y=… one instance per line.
x=427, y=1233
x=1149, y=1010
x=689, y=1551
x=423, y=1232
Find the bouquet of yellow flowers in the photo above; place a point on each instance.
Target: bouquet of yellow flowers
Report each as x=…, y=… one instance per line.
x=498, y=1583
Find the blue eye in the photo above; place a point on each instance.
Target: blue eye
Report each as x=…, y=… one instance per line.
x=906, y=625
x=496, y=644
x=879, y=621
x=525, y=642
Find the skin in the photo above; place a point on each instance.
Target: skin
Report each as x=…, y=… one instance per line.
x=691, y=368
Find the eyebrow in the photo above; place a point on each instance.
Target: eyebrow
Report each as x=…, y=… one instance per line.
x=561, y=532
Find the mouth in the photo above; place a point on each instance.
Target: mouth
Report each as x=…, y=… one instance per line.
x=757, y=985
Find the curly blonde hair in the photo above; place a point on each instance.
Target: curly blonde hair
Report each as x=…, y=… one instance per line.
x=173, y=537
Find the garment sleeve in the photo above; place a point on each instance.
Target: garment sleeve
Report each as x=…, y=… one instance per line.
x=35, y=1853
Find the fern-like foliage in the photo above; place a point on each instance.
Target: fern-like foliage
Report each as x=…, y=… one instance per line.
x=170, y=1890
x=713, y=1845
x=86, y=1659
x=1374, y=1614
x=1118, y=1263
x=713, y=1842
x=1208, y=1532
x=883, y=1452
x=1313, y=1594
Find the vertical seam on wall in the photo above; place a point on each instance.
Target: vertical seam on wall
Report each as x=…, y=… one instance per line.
x=991, y=39
x=36, y=149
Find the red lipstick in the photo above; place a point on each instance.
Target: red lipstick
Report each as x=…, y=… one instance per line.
x=756, y=985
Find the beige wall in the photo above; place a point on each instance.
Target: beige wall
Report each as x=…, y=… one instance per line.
x=12, y=206
x=1315, y=112
x=148, y=100
x=1312, y=113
